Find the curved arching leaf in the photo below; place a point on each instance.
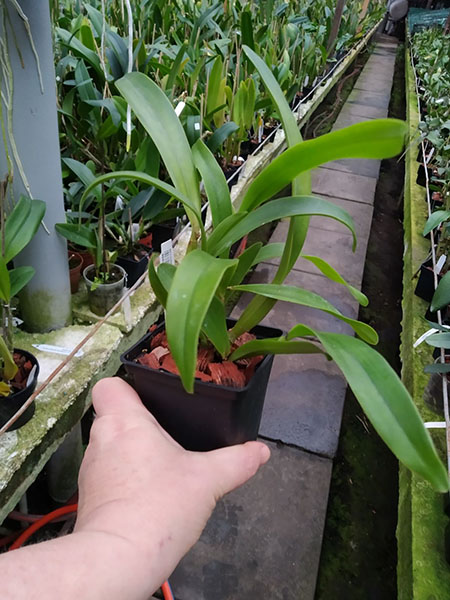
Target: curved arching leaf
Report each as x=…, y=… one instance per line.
x=435, y=219
x=288, y=293
x=279, y=209
x=379, y=138
x=274, y=346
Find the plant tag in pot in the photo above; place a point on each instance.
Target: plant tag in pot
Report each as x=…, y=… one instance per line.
x=57, y=349
x=167, y=253
x=31, y=375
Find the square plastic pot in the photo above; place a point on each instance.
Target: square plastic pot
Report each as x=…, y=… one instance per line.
x=213, y=416
x=11, y=404
x=134, y=268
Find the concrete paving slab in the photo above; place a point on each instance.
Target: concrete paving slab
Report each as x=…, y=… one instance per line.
x=357, y=166
x=369, y=84
x=361, y=214
x=336, y=248
x=349, y=186
x=377, y=99
x=347, y=119
x=263, y=540
x=369, y=112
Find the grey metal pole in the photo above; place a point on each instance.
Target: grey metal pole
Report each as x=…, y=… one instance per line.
x=45, y=302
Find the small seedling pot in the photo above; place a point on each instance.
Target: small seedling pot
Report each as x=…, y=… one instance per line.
x=213, y=416
x=75, y=271
x=9, y=405
x=134, y=268
x=104, y=295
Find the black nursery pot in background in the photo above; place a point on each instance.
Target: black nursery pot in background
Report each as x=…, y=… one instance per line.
x=425, y=284
x=213, y=416
x=9, y=405
x=134, y=268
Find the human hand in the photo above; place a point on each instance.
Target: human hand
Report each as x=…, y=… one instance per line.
x=138, y=487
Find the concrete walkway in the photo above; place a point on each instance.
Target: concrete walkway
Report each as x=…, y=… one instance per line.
x=263, y=541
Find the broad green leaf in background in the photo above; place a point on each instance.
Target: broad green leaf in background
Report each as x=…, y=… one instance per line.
x=435, y=219
x=221, y=134
x=279, y=209
x=439, y=340
x=144, y=178
x=288, y=293
x=441, y=296
x=215, y=183
x=84, y=174
x=195, y=282
x=82, y=235
x=386, y=139
x=21, y=225
x=5, y=283
x=388, y=406
x=438, y=368
x=333, y=275
x=155, y=112
x=19, y=278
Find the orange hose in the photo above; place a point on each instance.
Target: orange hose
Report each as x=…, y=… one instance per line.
x=64, y=510
x=55, y=514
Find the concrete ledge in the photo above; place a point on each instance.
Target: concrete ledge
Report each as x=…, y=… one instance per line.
x=422, y=570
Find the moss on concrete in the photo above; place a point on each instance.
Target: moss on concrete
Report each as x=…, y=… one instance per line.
x=42, y=311
x=423, y=573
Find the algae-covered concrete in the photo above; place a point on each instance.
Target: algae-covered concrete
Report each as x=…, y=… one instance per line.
x=423, y=573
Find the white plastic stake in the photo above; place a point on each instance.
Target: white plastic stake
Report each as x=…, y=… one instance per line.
x=57, y=349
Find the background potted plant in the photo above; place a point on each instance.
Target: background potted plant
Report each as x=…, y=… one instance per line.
x=104, y=279
x=194, y=293
x=19, y=369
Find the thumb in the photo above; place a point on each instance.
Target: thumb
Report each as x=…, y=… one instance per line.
x=229, y=468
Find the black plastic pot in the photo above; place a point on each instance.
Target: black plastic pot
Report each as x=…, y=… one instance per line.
x=11, y=404
x=161, y=233
x=425, y=284
x=134, y=268
x=213, y=416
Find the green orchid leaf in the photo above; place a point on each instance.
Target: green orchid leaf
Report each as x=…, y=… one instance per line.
x=19, y=278
x=439, y=340
x=386, y=139
x=435, y=219
x=193, y=288
x=221, y=135
x=246, y=260
x=21, y=225
x=144, y=178
x=157, y=286
x=441, y=296
x=166, y=273
x=215, y=183
x=215, y=327
x=81, y=235
x=5, y=283
x=438, y=368
x=84, y=174
x=223, y=229
x=296, y=295
x=279, y=209
x=153, y=109
x=333, y=275
x=9, y=366
x=269, y=252
x=275, y=346
x=388, y=406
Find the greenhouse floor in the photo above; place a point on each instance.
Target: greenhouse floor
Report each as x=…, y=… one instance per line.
x=264, y=540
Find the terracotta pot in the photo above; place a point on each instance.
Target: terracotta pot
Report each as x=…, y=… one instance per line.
x=12, y=403
x=75, y=271
x=214, y=415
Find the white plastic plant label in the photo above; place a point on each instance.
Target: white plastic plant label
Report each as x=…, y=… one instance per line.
x=179, y=108
x=119, y=203
x=440, y=264
x=167, y=255
x=57, y=349
x=424, y=336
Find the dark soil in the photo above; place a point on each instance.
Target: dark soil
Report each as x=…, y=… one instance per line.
x=359, y=555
